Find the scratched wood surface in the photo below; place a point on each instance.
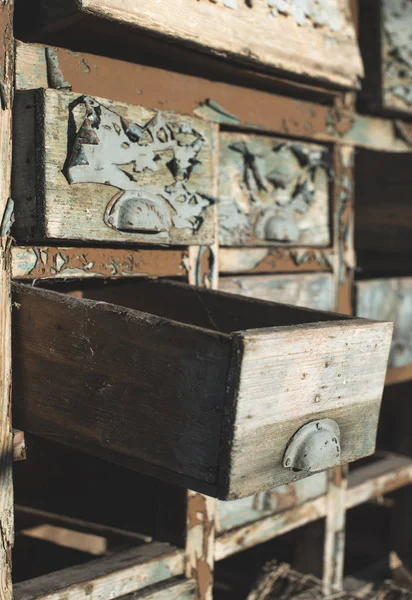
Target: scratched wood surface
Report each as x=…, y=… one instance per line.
x=175, y=590
x=108, y=171
x=6, y=209
x=272, y=192
x=385, y=27
x=307, y=39
x=389, y=300
x=344, y=382
x=313, y=290
x=107, y=577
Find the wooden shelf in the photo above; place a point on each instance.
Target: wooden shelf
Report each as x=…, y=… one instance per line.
x=398, y=375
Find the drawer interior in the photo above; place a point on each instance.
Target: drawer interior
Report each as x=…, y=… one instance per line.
x=218, y=311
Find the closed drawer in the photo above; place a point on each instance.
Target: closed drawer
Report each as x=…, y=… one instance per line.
x=389, y=300
x=310, y=290
x=90, y=169
x=220, y=393
x=385, y=27
x=303, y=39
x=272, y=192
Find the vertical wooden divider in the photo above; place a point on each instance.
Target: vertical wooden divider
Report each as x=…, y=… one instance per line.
x=6, y=210
x=343, y=243
x=201, y=509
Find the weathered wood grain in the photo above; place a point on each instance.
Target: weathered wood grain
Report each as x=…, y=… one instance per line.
x=275, y=260
x=60, y=342
x=272, y=192
x=51, y=262
x=305, y=40
x=344, y=382
x=107, y=171
x=389, y=300
x=6, y=217
x=310, y=290
x=108, y=577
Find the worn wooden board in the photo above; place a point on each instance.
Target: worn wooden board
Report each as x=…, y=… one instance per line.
x=386, y=42
x=389, y=300
x=272, y=192
x=313, y=290
x=303, y=39
x=109, y=577
x=235, y=513
x=90, y=169
x=175, y=590
x=60, y=342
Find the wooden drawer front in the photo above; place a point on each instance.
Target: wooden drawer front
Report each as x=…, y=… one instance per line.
x=310, y=38
x=207, y=390
x=272, y=192
x=111, y=172
x=312, y=290
x=239, y=512
x=390, y=300
x=385, y=27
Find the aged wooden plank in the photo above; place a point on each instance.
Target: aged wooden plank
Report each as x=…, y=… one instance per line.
x=107, y=171
x=61, y=341
x=398, y=374
x=200, y=542
x=19, y=445
x=383, y=209
x=390, y=473
x=272, y=192
x=332, y=385
x=6, y=217
x=234, y=513
x=175, y=590
x=268, y=528
x=310, y=290
x=389, y=300
x=303, y=40
x=108, y=577
x=50, y=262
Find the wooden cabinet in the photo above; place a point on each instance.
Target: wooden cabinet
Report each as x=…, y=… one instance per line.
x=202, y=388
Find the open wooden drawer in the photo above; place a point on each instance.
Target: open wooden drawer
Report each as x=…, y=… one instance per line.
x=202, y=388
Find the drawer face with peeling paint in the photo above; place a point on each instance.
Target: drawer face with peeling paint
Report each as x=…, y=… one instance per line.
x=222, y=394
x=386, y=42
x=311, y=290
x=90, y=169
x=272, y=192
x=389, y=300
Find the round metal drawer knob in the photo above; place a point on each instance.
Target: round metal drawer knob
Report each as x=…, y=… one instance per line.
x=314, y=447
